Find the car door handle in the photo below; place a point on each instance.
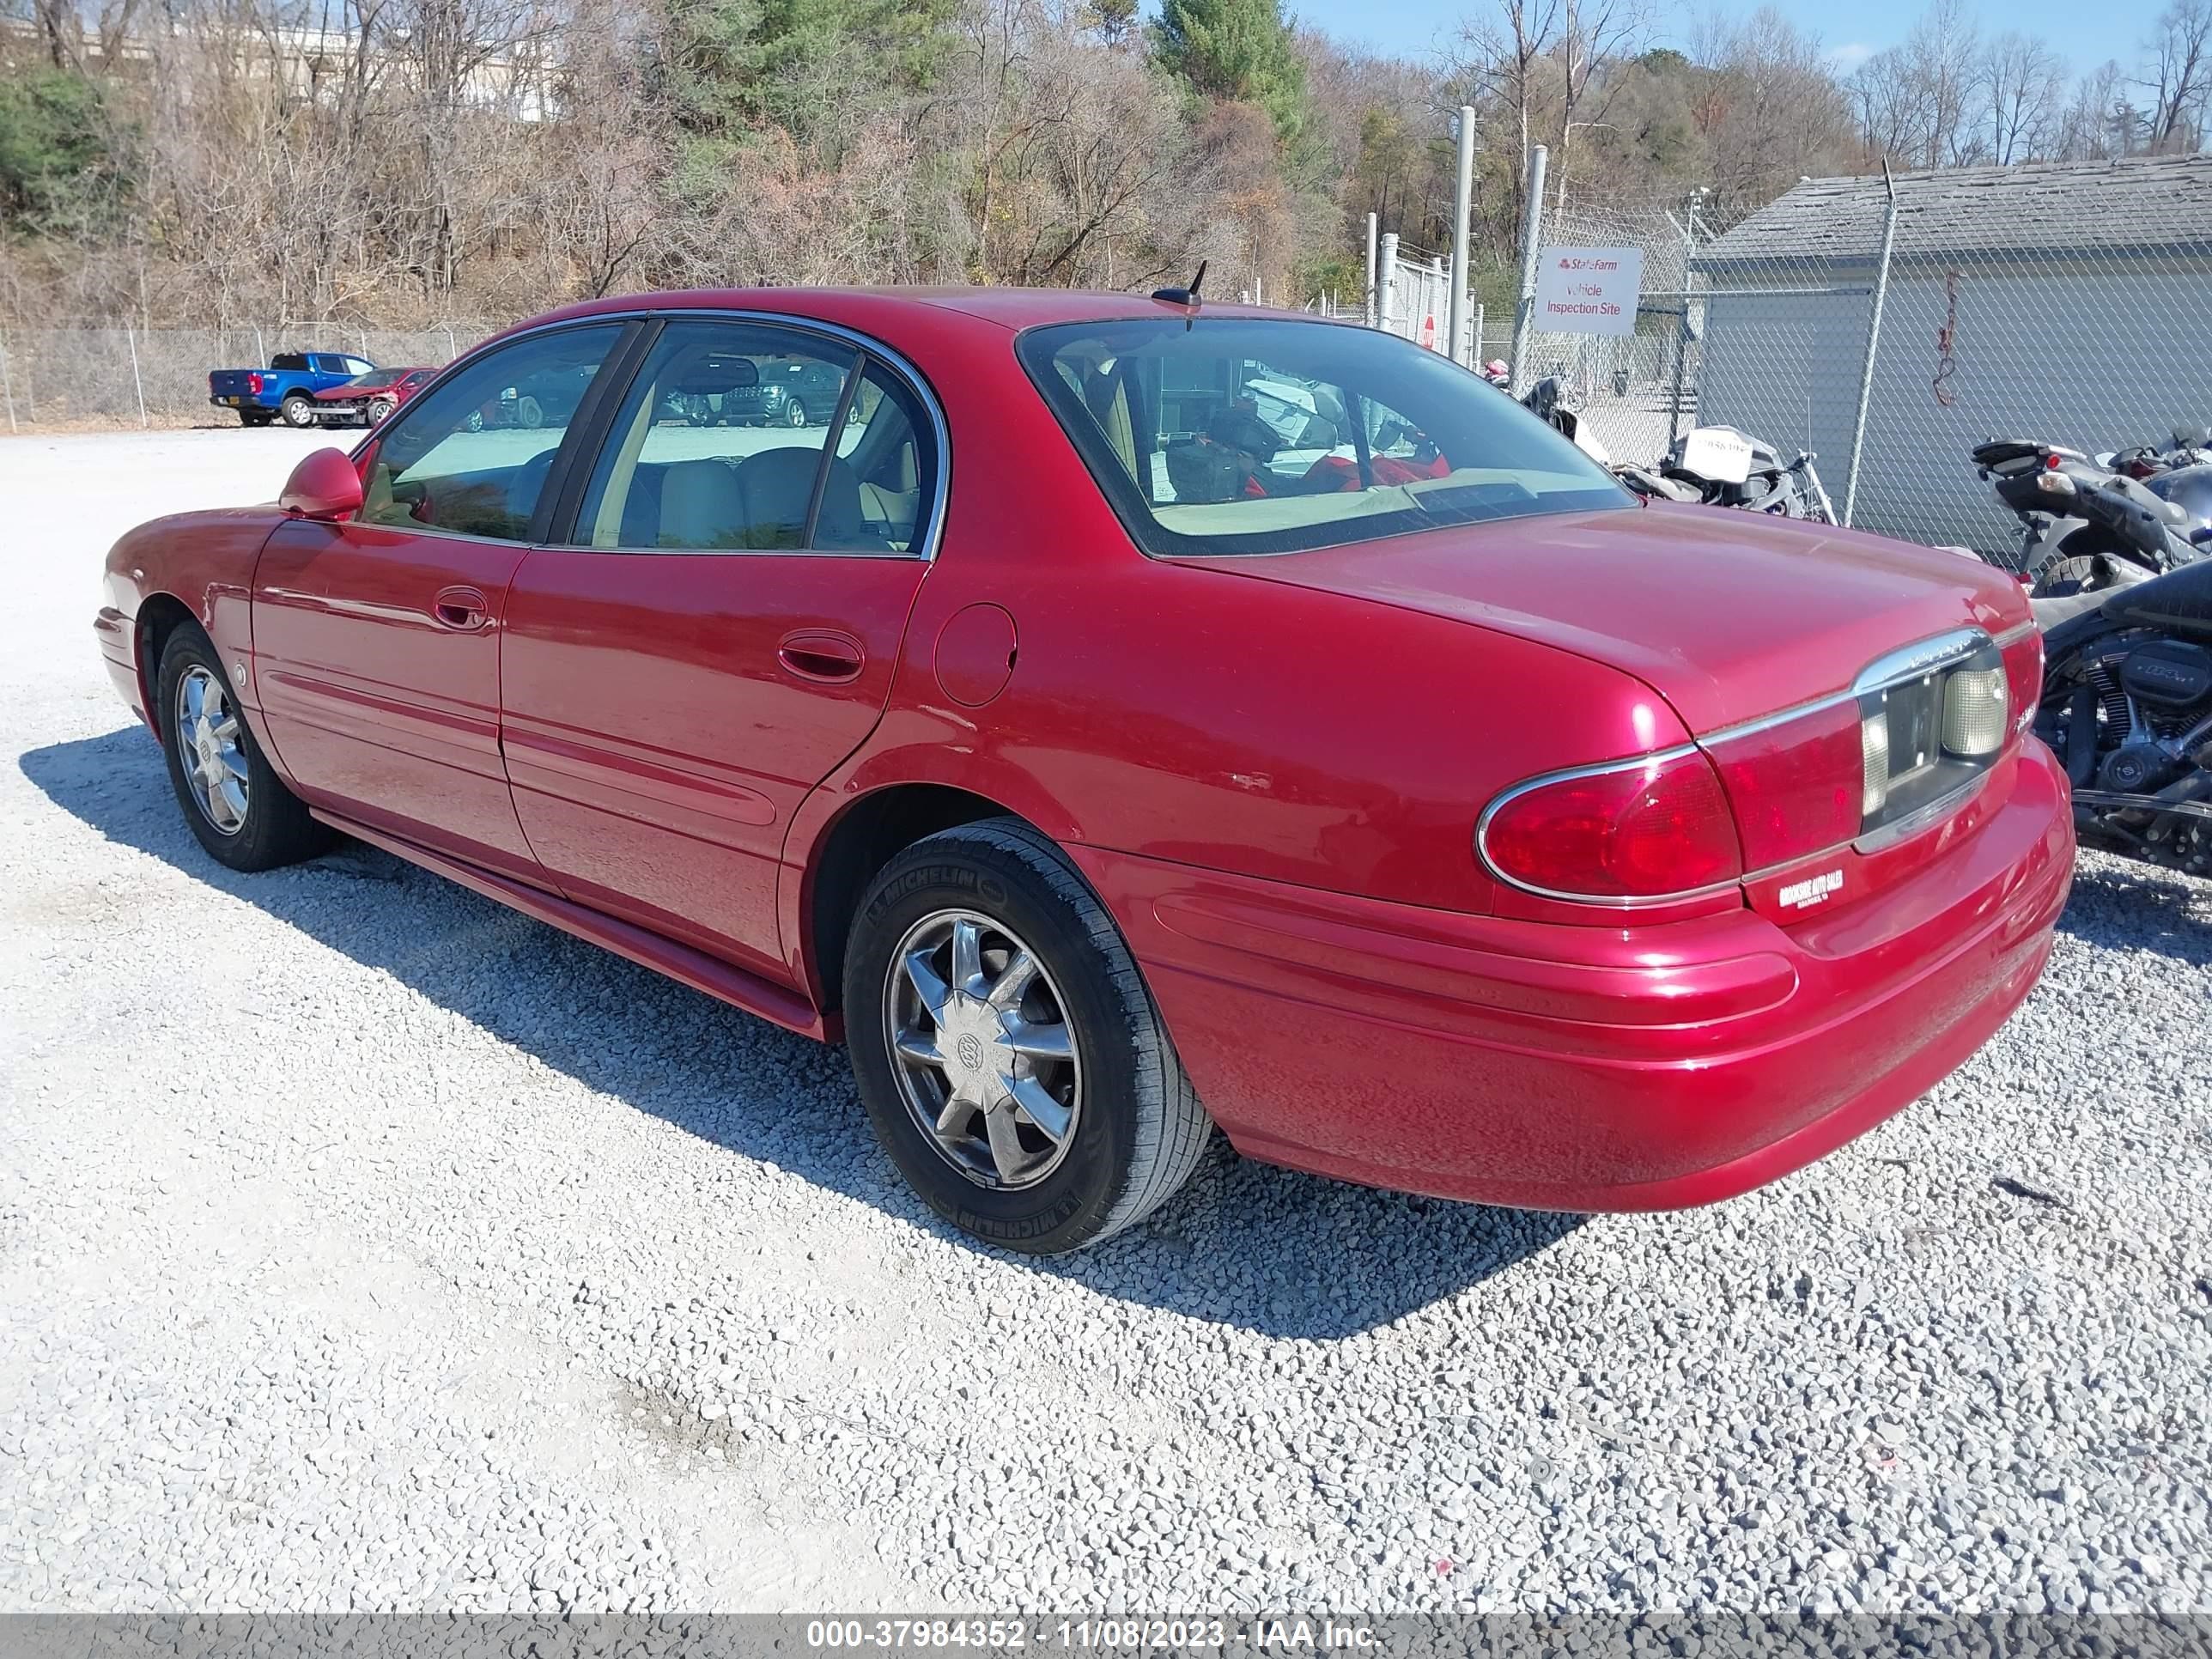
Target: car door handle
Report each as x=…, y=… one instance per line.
x=461, y=607
x=828, y=659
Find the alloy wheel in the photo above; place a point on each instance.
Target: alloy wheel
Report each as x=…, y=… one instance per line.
x=986, y=1058
x=210, y=744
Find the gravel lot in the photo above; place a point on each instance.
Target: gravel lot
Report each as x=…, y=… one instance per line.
x=363, y=1245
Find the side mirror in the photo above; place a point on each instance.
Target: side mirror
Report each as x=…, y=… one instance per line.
x=324, y=486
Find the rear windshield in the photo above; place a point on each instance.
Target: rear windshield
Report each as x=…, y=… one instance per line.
x=1233, y=436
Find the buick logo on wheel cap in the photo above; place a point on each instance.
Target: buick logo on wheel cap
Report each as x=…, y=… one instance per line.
x=970, y=1050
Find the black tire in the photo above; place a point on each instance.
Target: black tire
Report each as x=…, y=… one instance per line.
x=276, y=830
x=378, y=409
x=1140, y=1129
x=794, y=413
x=297, y=409
x=254, y=417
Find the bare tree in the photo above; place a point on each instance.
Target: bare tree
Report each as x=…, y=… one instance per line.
x=1598, y=35
x=2182, y=51
x=1507, y=58
x=2094, y=126
x=2021, y=83
x=1915, y=99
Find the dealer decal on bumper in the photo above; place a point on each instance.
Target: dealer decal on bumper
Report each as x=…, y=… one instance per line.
x=1802, y=895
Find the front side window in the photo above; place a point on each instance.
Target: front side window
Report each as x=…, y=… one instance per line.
x=1234, y=435
x=748, y=437
x=473, y=456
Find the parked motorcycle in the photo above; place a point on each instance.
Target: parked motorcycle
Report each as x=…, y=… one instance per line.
x=2190, y=447
x=2127, y=704
x=1718, y=465
x=2072, y=507
x=1729, y=468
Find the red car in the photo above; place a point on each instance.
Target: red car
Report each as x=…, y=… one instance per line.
x=1104, y=762
x=369, y=398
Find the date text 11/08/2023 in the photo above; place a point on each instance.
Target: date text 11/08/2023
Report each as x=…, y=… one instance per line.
x=1071, y=1635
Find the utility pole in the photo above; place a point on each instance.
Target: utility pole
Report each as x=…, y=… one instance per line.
x=1462, y=211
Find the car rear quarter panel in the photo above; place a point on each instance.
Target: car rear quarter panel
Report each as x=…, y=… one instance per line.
x=1173, y=711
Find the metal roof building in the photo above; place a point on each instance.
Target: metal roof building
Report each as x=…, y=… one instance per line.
x=2064, y=302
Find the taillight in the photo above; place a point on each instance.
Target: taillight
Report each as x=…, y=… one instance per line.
x=1796, y=782
x=2023, y=665
x=253, y=383
x=1634, y=832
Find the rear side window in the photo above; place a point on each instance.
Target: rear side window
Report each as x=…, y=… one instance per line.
x=1232, y=435
x=739, y=437
x=288, y=360
x=473, y=456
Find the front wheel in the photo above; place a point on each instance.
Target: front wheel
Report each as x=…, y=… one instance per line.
x=378, y=409
x=232, y=798
x=1007, y=1051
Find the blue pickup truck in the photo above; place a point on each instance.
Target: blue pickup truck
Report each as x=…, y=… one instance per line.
x=286, y=388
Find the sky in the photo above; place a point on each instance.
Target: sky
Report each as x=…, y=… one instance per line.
x=2087, y=35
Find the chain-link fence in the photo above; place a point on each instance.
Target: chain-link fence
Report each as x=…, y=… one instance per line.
x=2060, y=303
x=1888, y=327
x=148, y=376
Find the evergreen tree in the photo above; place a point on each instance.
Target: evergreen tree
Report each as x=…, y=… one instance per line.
x=1239, y=50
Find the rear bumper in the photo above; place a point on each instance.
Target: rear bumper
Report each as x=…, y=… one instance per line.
x=1589, y=1068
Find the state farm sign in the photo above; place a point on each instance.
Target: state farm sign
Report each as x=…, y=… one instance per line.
x=1589, y=290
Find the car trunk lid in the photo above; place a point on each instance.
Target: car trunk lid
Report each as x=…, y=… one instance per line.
x=1729, y=616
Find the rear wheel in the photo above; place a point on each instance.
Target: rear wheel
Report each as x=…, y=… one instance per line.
x=232, y=798
x=254, y=417
x=794, y=413
x=297, y=409
x=1007, y=1051
x=529, y=412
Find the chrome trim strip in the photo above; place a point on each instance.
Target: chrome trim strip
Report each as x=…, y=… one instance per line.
x=1796, y=712
x=2014, y=635
x=1963, y=641
x=895, y=361
x=1639, y=903
x=1918, y=660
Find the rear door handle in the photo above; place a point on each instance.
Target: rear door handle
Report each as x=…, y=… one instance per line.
x=828, y=659
x=464, y=609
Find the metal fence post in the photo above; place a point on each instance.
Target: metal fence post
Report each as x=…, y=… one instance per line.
x=1689, y=229
x=260, y=350
x=1374, y=315
x=1531, y=229
x=1386, y=281
x=1474, y=339
x=1873, y=344
x=453, y=352
x=1462, y=209
x=137, y=381
x=7, y=383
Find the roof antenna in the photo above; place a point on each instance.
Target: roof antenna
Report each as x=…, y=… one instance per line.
x=1182, y=296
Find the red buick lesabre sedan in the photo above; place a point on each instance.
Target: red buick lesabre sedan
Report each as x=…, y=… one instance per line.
x=1116, y=718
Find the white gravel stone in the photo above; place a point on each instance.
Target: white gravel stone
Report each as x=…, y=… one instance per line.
x=364, y=1245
